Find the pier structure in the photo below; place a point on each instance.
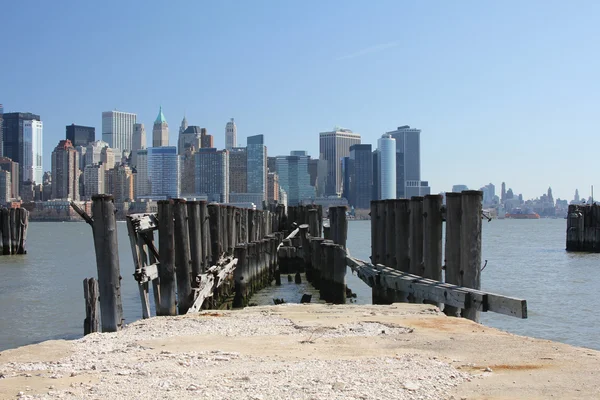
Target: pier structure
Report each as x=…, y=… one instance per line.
x=13, y=230
x=583, y=228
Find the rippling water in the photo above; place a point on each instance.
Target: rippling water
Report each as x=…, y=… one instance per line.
x=41, y=293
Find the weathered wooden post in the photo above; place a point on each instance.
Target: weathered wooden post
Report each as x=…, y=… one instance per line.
x=338, y=283
x=327, y=231
x=313, y=222
x=326, y=269
x=24, y=226
x=402, y=234
x=14, y=219
x=432, y=239
x=182, y=256
x=106, y=245
x=166, y=253
x=205, y=235
x=6, y=240
x=575, y=228
x=374, y=228
x=90, y=294
x=305, y=250
x=315, y=253
x=240, y=253
x=416, y=235
x=453, y=248
x=195, y=234
x=470, y=243
x=389, y=259
x=216, y=231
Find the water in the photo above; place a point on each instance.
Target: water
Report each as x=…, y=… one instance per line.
x=41, y=293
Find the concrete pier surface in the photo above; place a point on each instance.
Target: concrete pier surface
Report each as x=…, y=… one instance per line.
x=312, y=351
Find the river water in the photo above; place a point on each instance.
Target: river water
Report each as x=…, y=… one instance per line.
x=41, y=293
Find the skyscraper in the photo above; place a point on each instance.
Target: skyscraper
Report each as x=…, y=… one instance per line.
x=93, y=152
x=160, y=131
x=361, y=176
x=163, y=172
x=8, y=165
x=117, y=129
x=408, y=163
x=257, y=165
x=212, y=174
x=18, y=145
x=80, y=135
x=138, y=142
x=238, y=170
x=5, y=181
x=294, y=177
x=93, y=180
x=206, y=140
x=31, y=165
x=190, y=137
x=65, y=171
x=1, y=131
x=142, y=183
x=333, y=146
x=272, y=187
x=188, y=172
x=121, y=180
x=230, y=135
x=387, y=167
x=184, y=125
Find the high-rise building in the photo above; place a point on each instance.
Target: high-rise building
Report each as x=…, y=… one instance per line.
x=18, y=144
x=93, y=180
x=376, y=175
x=360, y=169
x=387, y=167
x=271, y=164
x=459, y=188
x=8, y=165
x=184, y=125
x=142, y=183
x=117, y=129
x=294, y=177
x=206, y=140
x=108, y=157
x=65, y=171
x=1, y=131
x=188, y=172
x=230, y=135
x=212, y=174
x=80, y=135
x=257, y=165
x=164, y=172
x=5, y=183
x=272, y=187
x=160, y=131
x=121, y=183
x=333, y=147
x=317, y=169
x=93, y=152
x=190, y=137
x=408, y=163
x=238, y=170
x=138, y=142
x=503, y=192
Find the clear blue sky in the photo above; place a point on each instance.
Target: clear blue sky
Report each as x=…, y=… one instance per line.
x=503, y=91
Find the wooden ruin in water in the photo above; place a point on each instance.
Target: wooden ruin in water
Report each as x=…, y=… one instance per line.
x=583, y=228
x=13, y=230
x=216, y=256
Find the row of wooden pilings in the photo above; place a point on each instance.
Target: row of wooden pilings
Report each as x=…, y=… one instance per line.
x=406, y=235
x=13, y=230
x=583, y=228
x=195, y=239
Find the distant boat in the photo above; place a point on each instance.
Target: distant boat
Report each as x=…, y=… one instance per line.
x=518, y=213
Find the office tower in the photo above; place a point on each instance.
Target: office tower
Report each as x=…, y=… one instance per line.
x=82, y=158
x=503, y=192
x=272, y=187
x=188, y=172
x=271, y=164
x=238, y=170
x=190, y=137
x=206, y=140
x=142, y=183
x=212, y=174
x=294, y=177
x=117, y=129
x=459, y=188
x=184, y=125
x=160, y=131
x=1, y=131
x=376, y=176
x=138, y=142
x=65, y=171
x=121, y=183
x=93, y=152
x=80, y=135
x=333, y=146
x=408, y=163
x=230, y=135
x=108, y=157
x=360, y=170
x=317, y=170
x=257, y=165
x=93, y=180
x=8, y=165
x=387, y=167
x=5, y=183
x=164, y=172
x=22, y=143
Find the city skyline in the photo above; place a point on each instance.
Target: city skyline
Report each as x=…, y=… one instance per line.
x=490, y=93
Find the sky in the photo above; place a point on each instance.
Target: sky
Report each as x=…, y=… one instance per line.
x=502, y=91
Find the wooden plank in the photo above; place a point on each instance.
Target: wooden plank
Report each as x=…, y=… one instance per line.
x=144, y=222
x=182, y=255
x=167, y=258
x=452, y=256
x=470, y=245
x=204, y=291
x=90, y=294
x=138, y=265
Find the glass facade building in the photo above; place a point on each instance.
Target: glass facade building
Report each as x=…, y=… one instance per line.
x=163, y=172
x=333, y=147
x=294, y=177
x=387, y=167
x=117, y=129
x=212, y=174
x=80, y=135
x=257, y=165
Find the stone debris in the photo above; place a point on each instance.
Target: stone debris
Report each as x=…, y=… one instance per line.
x=119, y=368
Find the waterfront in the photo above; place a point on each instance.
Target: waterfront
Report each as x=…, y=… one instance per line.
x=41, y=294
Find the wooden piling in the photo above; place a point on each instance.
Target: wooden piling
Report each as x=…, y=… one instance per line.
x=14, y=219
x=390, y=233
x=315, y=254
x=166, y=251
x=374, y=228
x=313, y=222
x=216, y=232
x=432, y=236
x=23, y=236
x=338, y=283
x=327, y=232
x=182, y=256
x=470, y=245
x=326, y=264
x=107, y=262
x=240, y=253
x=205, y=234
x=90, y=294
x=452, y=248
x=416, y=235
x=6, y=241
x=195, y=235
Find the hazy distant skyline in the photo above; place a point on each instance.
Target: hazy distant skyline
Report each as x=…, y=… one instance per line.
x=501, y=91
